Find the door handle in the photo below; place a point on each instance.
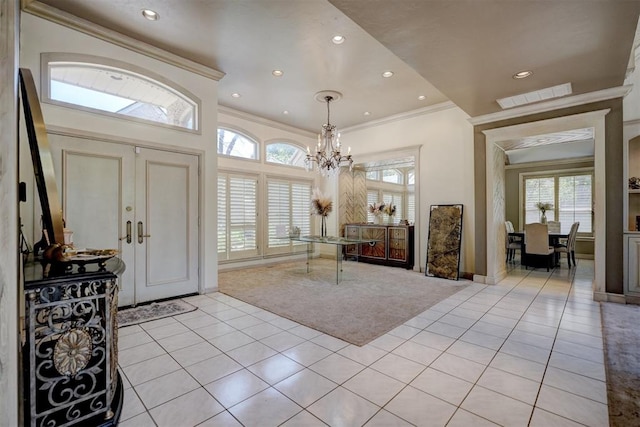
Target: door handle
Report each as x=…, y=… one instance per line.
x=141, y=236
x=128, y=236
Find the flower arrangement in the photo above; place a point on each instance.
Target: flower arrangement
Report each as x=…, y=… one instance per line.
x=320, y=203
x=376, y=209
x=389, y=209
x=544, y=206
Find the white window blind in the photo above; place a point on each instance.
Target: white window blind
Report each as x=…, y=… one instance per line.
x=411, y=208
x=575, y=202
x=237, y=216
x=394, y=199
x=372, y=199
x=538, y=190
x=288, y=206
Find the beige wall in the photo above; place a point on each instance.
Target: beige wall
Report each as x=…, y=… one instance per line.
x=613, y=187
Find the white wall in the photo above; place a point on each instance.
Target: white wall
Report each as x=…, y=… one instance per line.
x=9, y=273
x=40, y=36
x=446, y=165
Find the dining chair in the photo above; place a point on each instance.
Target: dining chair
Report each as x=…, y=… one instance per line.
x=536, y=241
x=570, y=247
x=554, y=226
x=512, y=244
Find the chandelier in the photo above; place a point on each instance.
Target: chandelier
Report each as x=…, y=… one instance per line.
x=327, y=154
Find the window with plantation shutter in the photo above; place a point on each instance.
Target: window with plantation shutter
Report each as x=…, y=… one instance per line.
x=411, y=208
x=288, y=206
x=372, y=199
x=394, y=199
x=569, y=194
x=575, y=202
x=237, y=216
x=538, y=190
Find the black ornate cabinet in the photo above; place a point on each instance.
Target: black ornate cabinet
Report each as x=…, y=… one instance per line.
x=70, y=355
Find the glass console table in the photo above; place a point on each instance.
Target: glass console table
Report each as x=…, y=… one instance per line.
x=339, y=242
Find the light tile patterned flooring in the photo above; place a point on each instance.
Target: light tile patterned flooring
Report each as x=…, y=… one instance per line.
x=527, y=351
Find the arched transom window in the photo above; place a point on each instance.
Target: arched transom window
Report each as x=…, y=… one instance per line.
x=114, y=88
x=284, y=153
x=234, y=144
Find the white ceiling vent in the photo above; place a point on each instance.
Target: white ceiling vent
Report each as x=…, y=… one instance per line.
x=535, y=96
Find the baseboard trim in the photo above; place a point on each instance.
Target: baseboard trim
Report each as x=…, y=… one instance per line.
x=210, y=290
x=479, y=278
x=609, y=297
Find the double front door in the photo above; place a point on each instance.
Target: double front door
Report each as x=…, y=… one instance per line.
x=142, y=201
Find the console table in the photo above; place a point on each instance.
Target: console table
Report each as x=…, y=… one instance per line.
x=70, y=354
x=339, y=243
x=393, y=244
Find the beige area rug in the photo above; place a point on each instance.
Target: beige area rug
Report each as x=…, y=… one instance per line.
x=622, y=360
x=370, y=301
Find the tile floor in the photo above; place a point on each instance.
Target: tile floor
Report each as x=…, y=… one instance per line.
x=527, y=351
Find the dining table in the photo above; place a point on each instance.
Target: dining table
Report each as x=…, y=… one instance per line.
x=554, y=240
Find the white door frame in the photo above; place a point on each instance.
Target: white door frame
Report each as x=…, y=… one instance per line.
x=131, y=142
x=495, y=190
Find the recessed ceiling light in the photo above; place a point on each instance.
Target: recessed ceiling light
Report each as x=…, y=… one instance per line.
x=523, y=74
x=387, y=74
x=422, y=98
x=235, y=95
x=151, y=15
x=277, y=73
x=338, y=39
x=285, y=112
x=366, y=113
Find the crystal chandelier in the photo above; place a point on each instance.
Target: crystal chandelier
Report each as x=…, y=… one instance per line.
x=327, y=154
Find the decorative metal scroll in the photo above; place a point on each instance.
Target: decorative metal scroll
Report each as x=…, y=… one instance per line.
x=443, y=245
x=71, y=363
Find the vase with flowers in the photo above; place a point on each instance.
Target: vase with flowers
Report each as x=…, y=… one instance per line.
x=543, y=207
x=375, y=209
x=321, y=205
x=390, y=211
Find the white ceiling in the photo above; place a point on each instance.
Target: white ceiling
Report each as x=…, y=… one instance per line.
x=460, y=50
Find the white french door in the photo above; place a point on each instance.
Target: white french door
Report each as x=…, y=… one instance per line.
x=144, y=202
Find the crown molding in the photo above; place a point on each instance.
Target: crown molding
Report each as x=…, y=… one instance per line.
x=543, y=163
x=65, y=19
x=632, y=122
x=222, y=109
x=556, y=104
x=402, y=116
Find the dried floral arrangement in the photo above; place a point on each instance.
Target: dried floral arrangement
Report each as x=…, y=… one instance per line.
x=376, y=209
x=320, y=203
x=389, y=209
x=544, y=206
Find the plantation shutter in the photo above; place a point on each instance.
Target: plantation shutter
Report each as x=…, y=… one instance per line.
x=242, y=223
x=575, y=202
x=222, y=217
x=288, y=206
x=278, y=208
x=538, y=190
x=411, y=208
x=394, y=199
x=372, y=199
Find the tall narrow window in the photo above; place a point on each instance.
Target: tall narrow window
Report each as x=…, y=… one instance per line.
x=112, y=87
x=538, y=190
x=237, y=216
x=288, y=206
